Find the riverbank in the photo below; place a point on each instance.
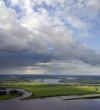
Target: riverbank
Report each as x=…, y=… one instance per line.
x=92, y=96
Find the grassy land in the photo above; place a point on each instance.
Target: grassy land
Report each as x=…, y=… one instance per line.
x=9, y=96
x=41, y=90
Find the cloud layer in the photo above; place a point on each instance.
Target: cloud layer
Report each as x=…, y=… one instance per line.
x=34, y=32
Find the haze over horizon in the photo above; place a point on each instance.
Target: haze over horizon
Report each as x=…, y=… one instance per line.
x=50, y=36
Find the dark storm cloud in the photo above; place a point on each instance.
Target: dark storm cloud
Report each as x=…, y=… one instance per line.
x=22, y=58
x=27, y=58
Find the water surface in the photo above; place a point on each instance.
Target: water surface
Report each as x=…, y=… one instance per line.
x=50, y=104
x=47, y=80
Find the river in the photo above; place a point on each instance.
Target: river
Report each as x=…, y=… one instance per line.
x=54, y=103
x=49, y=81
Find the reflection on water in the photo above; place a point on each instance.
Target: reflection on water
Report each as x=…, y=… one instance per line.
x=50, y=104
x=49, y=81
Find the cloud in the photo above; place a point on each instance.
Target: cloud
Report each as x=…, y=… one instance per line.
x=69, y=67
x=44, y=31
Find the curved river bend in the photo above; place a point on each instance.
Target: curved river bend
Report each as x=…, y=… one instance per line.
x=49, y=104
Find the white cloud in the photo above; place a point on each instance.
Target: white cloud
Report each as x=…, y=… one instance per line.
x=71, y=11
x=77, y=23
x=69, y=67
x=43, y=32
x=93, y=4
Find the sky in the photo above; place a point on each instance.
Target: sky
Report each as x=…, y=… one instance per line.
x=50, y=37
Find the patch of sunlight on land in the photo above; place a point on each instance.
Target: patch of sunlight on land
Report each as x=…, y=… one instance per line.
x=31, y=83
x=88, y=88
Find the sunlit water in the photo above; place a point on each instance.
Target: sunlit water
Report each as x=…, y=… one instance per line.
x=49, y=81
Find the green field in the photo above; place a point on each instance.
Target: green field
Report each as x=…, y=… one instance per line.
x=41, y=90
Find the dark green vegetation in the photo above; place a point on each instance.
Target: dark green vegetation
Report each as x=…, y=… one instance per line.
x=10, y=95
x=94, y=97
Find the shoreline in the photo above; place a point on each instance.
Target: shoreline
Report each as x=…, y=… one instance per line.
x=26, y=95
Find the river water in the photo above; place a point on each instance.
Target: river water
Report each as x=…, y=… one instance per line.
x=49, y=81
x=54, y=103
